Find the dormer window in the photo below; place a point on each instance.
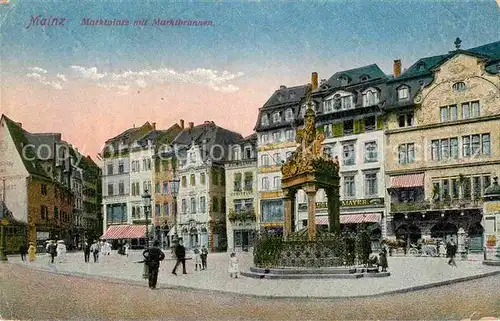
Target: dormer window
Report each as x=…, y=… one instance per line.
x=347, y=102
x=421, y=66
x=277, y=117
x=303, y=111
x=344, y=81
x=370, y=98
x=364, y=78
x=403, y=93
x=459, y=86
x=280, y=97
x=289, y=115
x=264, y=121
x=292, y=95
x=236, y=153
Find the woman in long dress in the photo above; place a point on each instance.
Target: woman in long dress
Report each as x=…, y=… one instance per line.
x=32, y=252
x=233, y=266
x=61, y=250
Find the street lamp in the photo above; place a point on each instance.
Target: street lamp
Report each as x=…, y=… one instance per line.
x=174, y=188
x=146, y=201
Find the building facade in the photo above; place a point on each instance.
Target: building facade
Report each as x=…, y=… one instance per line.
x=275, y=130
x=241, y=195
x=443, y=136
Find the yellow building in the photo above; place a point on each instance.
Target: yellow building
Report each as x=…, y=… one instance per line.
x=443, y=143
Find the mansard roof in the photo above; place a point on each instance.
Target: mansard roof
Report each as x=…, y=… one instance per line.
x=355, y=76
x=207, y=132
x=286, y=96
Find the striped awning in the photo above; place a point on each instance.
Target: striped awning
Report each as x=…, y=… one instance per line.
x=403, y=181
x=352, y=218
x=116, y=232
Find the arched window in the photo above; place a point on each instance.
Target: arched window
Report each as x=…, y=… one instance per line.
x=459, y=86
x=364, y=78
x=403, y=92
x=289, y=115
x=264, y=120
x=277, y=117
x=370, y=97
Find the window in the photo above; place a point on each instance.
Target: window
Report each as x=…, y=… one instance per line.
x=459, y=86
x=184, y=181
x=236, y=153
x=465, y=111
x=303, y=111
x=272, y=210
x=446, y=189
x=265, y=183
x=192, y=180
x=467, y=188
x=110, y=169
x=289, y=115
x=406, y=153
x=202, y=204
x=454, y=147
x=347, y=102
x=328, y=105
x=165, y=187
x=264, y=121
x=276, y=117
x=349, y=188
x=454, y=189
x=371, y=184
x=403, y=93
x=406, y=120
x=184, y=206
x=110, y=189
x=215, y=178
x=277, y=137
x=475, y=109
x=166, y=209
x=121, y=188
x=349, y=154
x=215, y=204
x=43, y=188
x=264, y=138
x=466, y=146
x=476, y=183
x=436, y=191
x=370, y=123
x=277, y=159
x=327, y=130
x=276, y=182
x=265, y=160
x=445, y=149
x=202, y=178
x=444, y=114
x=248, y=153
x=370, y=152
x=157, y=210
x=193, y=205
x=120, y=167
x=370, y=98
x=344, y=81
x=248, y=181
x=476, y=145
x=144, y=165
x=453, y=113
x=486, y=182
x=237, y=182
x=327, y=150
x=485, y=142
x=289, y=134
x=348, y=127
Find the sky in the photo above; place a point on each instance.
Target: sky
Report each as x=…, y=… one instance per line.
x=92, y=82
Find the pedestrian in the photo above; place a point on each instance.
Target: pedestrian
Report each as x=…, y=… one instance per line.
x=153, y=256
x=383, y=260
x=86, y=252
x=23, y=250
x=126, y=247
x=61, y=251
x=180, y=253
x=107, y=245
x=203, y=255
x=233, y=266
x=32, y=252
x=95, y=251
x=451, y=251
x=51, y=250
x=197, y=258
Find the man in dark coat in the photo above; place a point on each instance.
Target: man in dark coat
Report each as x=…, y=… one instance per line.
x=180, y=253
x=203, y=255
x=52, y=251
x=23, y=250
x=451, y=251
x=152, y=257
x=86, y=252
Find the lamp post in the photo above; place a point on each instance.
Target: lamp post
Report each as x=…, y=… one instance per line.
x=174, y=188
x=146, y=201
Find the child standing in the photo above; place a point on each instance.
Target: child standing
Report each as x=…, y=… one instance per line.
x=197, y=259
x=233, y=266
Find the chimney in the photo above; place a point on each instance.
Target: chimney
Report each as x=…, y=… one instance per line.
x=154, y=126
x=314, y=80
x=282, y=87
x=191, y=125
x=397, y=68
x=182, y=123
x=20, y=125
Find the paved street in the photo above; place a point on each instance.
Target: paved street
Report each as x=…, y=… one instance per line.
x=29, y=294
x=406, y=272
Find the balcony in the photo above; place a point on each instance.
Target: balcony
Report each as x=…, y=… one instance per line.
x=456, y=204
x=410, y=207
x=242, y=215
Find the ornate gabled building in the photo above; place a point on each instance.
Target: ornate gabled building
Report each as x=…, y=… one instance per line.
x=241, y=195
x=443, y=130
x=275, y=130
x=36, y=196
x=202, y=151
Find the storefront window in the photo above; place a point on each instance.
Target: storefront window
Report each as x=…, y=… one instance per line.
x=272, y=211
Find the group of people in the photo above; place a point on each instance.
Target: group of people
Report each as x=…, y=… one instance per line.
x=96, y=248
x=30, y=251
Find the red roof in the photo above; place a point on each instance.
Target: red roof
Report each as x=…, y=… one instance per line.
x=116, y=232
x=412, y=180
x=351, y=218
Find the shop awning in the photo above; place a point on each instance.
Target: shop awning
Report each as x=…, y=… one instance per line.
x=405, y=181
x=117, y=232
x=352, y=218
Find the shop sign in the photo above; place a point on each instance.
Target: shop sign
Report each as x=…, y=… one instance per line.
x=42, y=235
